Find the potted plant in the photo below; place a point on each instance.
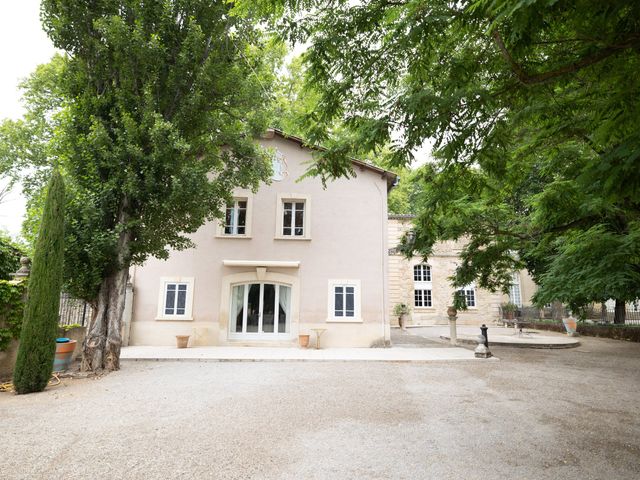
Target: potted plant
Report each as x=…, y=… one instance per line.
x=400, y=311
x=303, y=340
x=74, y=331
x=64, y=354
x=182, y=341
x=509, y=310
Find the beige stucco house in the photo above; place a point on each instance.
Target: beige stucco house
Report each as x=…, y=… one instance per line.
x=292, y=257
x=426, y=289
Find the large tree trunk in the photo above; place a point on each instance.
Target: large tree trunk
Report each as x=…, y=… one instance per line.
x=101, y=347
x=621, y=313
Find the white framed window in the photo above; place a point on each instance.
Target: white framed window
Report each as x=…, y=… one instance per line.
x=515, y=295
x=344, y=301
x=293, y=217
x=175, y=300
x=469, y=293
x=237, y=218
x=235, y=222
x=422, y=273
x=422, y=298
x=293, y=220
x=422, y=286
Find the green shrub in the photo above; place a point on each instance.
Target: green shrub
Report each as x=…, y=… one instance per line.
x=401, y=309
x=509, y=307
x=618, y=332
x=40, y=326
x=11, y=311
x=10, y=253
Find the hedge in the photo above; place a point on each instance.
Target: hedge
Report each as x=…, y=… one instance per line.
x=617, y=332
x=11, y=311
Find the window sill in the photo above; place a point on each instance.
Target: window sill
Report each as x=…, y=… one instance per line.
x=424, y=309
x=340, y=320
x=179, y=319
x=291, y=238
x=248, y=237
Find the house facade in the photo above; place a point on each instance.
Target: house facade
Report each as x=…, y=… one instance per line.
x=426, y=289
x=292, y=257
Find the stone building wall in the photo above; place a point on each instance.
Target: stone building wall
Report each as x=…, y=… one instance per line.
x=443, y=264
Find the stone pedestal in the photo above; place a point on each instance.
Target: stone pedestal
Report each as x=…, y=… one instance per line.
x=453, y=332
x=482, y=351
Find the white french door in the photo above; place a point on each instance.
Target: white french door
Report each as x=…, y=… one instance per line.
x=260, y=311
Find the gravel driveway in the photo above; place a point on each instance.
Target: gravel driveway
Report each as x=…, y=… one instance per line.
x=535, y=414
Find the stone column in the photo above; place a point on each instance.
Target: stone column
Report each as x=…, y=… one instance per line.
x=453, y=333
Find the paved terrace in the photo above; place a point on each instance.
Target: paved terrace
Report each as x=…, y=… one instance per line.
x=266, y=354
x=506, y=337
x=417, y=344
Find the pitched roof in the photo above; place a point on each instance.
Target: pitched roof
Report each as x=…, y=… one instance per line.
x=390, y=177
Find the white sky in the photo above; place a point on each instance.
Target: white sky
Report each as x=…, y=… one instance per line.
x=24, y=46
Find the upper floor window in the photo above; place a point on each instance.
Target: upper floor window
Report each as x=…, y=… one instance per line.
x=235, y=222
x=422, y=273
x=293, y=217
x=237, y=217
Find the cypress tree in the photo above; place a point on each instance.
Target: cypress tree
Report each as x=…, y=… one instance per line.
x=37, y=340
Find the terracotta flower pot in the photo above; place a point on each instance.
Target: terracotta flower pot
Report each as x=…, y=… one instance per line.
x=303, y=340
x=64, y=355
x=452, y=311
x=182, y=341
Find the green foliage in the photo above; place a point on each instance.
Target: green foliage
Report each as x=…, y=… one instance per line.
x=293, y=101
x=405, y=197
x=401, y=309
x=10, y=253
x=533, y=110
x=151, y=114
x=11, y=311
x=70, y=326
x=509, y=307
x=37, y=339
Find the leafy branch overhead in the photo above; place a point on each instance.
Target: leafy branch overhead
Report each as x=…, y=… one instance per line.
x=533, y=109
x=151, y=114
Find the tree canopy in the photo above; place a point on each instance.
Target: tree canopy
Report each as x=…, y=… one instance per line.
x=151, y=114
x=533, y=109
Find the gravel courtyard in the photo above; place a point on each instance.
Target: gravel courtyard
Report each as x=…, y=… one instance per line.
x=535, y=414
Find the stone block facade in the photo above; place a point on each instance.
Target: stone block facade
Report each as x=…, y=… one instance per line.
x=442, y=265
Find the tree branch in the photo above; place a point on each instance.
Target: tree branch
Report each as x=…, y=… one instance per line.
x=598, y=56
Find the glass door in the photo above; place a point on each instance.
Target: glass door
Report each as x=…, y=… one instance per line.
x=260, y=310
